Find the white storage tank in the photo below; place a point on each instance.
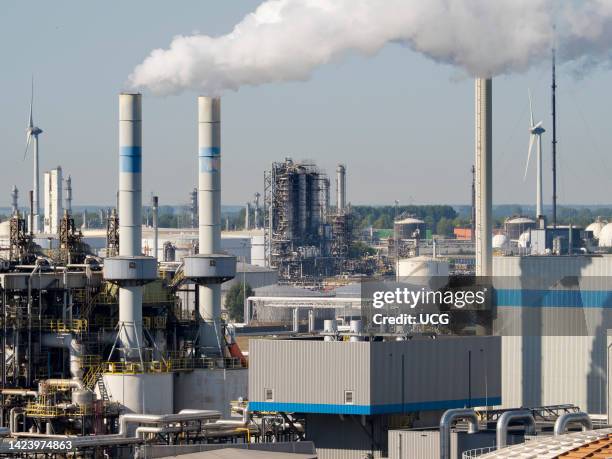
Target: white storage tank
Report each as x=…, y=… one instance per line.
x=258, y=251
x=422, y=267
x=500, y=241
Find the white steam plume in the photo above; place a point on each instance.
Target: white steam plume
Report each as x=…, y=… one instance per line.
x=285, y=40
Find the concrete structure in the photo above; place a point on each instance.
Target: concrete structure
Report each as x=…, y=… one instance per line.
x=53, y=205
x=484, y=176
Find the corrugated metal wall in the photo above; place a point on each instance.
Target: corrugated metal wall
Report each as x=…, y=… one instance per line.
x=309, y=372
x=442, y=370
x=554, y=354
x=385, y=377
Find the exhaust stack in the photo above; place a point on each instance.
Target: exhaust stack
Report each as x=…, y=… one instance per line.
x=484, y=179
x=340, y=188
x=130, y=270
x=209, y=268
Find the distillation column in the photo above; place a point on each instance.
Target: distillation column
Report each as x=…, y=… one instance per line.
x=484, y=179
x=340, y=188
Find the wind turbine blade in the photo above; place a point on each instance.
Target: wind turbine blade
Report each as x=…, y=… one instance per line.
x=31, y=122
x=531, y=140
x=530, y=109
x=28, y=138
x=538, y=125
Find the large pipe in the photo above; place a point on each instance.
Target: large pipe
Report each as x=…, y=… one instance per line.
x=501, y=430
x=340, y=188
x=209, y=218
x=74, y=347
x=130, y=217
x=247, y=215
x=562, y=423
x=446, y=424
x=484, y=179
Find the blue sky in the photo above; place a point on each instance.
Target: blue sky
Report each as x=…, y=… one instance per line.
x=402, y=123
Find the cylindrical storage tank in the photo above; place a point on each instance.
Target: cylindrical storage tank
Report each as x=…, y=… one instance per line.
x=409, y=228
x=258, y=251
x=83, y=398
x=605, y=236
x=424, y=267
x=356, y=326
x=330, y=326
x=515, y=226
x=596, y=227
x=147, y=393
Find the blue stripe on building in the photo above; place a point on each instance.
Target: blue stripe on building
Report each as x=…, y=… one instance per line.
x=322, y=408
x=553, y=298
x=130, y=159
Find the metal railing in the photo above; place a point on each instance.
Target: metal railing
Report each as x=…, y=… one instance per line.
x=65, y=326
x=477, y=452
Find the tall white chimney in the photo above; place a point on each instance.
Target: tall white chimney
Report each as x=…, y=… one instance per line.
x=484, y=179
x=130, y=270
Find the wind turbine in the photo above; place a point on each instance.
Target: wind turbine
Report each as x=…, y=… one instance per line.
x=535, y=135
x=32, y=132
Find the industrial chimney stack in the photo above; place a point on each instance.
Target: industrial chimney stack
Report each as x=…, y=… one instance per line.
x=340, y=188
x=483, y=185
x=130, y=270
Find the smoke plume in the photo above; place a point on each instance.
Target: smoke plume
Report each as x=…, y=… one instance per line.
x=285, y=40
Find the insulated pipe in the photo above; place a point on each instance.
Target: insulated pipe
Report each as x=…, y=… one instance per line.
x=446, y=424
x=483, y=178
x=20, y=392
x=130, y=217
x=209, y=212
x=504, y=421
x=563, y=421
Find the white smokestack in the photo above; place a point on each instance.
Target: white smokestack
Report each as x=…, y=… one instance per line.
x=285, y=40
x=484, y=173
x=209, y=200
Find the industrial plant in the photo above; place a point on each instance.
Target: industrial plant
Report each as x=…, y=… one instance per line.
x=134, y=340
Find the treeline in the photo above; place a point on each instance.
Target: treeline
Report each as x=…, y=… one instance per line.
x=440, y=219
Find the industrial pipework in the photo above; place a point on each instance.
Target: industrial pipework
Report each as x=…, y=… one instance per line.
x=130, y=270
x=446, y=424
x=562, y=423
x=209, y=268
x=501, y=429
x=484, y=176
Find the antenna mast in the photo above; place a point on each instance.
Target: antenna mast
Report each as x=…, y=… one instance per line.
x=554, y=141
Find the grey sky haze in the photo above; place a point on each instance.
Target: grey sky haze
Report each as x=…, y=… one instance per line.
x=402, y=123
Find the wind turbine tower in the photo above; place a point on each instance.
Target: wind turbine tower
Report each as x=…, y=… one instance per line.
x=535, y=136
x=32, y=132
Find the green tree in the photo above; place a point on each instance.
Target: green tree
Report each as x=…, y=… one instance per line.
x=444, y=227
x=234, y=300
